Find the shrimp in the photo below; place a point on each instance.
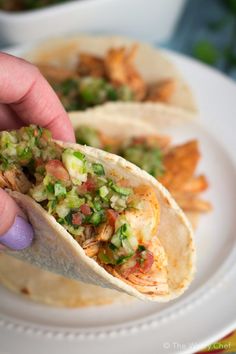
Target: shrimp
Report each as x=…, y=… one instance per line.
x=144, y=220
x=180, y=164
x=155, y=280
x=161, y=91
x=15, y=179
x=90, y=65
x=91, y=247
x=120, y=69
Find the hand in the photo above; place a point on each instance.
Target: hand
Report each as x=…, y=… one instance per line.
x=25, y=98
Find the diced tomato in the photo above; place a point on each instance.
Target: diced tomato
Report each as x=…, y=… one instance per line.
x=85, y=209
x=111, y=216
x=39, y=162
x=56, y=169
x=77, y=219
x=90, y=184
x=81, y=190
x=146, y=261
x=87, y=186
x=139, y=263
x=126, y=271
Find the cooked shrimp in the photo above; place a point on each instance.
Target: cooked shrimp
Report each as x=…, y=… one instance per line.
x=189, y=203
x=104, y=232
x=180, y=164
x=15, y=179
x=120, y=69
x=195, y=185
x=90, y=65
x=144, y=221
x=3, y=181
x=161, y=91
x=91, y=247
x=155, y=280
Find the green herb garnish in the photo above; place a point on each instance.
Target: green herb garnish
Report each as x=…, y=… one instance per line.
x=59, y=189
x=98, y=169
x=79, y=155
x=121, y=190
x=146, y=157
x=96, y=218
x=141, y=248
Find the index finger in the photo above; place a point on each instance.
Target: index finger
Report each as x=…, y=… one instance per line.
x=32, y=98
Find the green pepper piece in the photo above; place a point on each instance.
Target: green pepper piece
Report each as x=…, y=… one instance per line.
x=121, y=190
x=96, y=218
x=59, y=189
x=98, y=169
x=79, y=155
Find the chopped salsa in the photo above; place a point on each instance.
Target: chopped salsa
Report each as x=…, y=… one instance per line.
x=98, y=211
x=147, y=156
x=81, y=93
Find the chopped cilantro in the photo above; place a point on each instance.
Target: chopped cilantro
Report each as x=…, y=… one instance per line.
x=123, y=259
x=50, y=188
x=141, y=248
x=68, y=218
x=59, y=189
x=121, y=190
x=96, y=218
x=79, y=155
x=98, y=169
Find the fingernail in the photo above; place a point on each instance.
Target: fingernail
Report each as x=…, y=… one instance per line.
x=19, y=236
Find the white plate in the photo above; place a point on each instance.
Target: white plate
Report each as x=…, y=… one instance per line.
x=206, y=311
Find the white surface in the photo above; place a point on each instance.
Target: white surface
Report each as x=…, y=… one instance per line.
x=207, y=310
x=152, y=20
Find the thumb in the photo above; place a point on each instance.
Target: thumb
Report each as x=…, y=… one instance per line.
x=15, y=232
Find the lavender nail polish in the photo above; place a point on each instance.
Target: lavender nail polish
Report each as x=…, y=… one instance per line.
x=19, y=236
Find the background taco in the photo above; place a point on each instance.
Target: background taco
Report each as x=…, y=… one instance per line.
x=87, y=71
x=146, y=143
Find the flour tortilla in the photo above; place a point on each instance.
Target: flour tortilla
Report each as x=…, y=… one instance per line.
x=129, y=121
x=54, y=249
x=53, y=289
x=150, y=62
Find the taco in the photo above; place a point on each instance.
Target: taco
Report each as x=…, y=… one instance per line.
x=97, y=218
x=88, y=71
x=174, y=165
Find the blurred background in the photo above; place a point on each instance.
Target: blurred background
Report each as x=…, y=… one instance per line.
x=207, y=31
x=203, y=29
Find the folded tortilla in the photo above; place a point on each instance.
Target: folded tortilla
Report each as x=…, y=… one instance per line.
x=52, y=289
x=55, y=249
x=138, y=118
x=153, y=66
